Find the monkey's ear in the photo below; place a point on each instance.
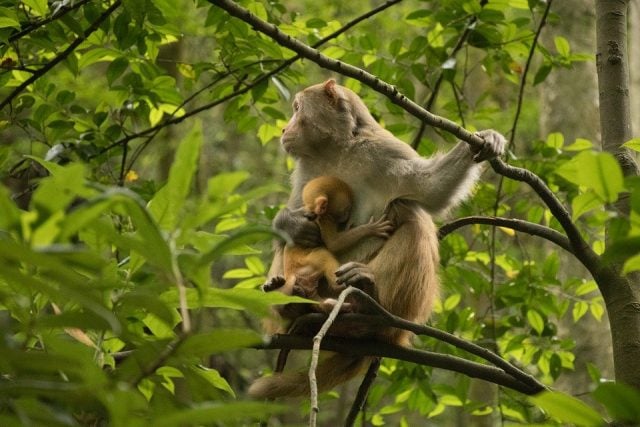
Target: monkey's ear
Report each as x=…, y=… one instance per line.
x=330, y=90
x=322, y=204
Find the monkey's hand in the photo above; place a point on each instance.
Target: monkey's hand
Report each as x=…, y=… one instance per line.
x=356, y=274
x=274, y=283
x=303, y=232
x=494, y=145
x=381, y=227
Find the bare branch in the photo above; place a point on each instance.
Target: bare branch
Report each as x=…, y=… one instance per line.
x=360, y=347
x=62, y=56
x=383, y=318
x=363, y=391
x=315, y=354
x=514, y=224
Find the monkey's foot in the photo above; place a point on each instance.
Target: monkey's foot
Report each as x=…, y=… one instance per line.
x=274, y=283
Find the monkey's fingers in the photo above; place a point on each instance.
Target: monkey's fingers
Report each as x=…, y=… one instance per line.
x=354, y=274
x=494, y=145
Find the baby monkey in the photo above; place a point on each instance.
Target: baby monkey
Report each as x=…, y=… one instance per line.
x=311, y=272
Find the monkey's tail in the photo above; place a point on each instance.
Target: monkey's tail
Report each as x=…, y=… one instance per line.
x=330, y=372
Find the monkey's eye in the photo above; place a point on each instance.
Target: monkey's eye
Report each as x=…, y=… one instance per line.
x=296, y=106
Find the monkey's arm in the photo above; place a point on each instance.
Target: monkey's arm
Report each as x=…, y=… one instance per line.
x=443, y=181
x=338, y=241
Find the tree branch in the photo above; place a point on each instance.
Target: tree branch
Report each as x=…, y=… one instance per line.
x=581, y=249
x=383, y=318
x=514, y=224
x=62, y=56
x=360, y=347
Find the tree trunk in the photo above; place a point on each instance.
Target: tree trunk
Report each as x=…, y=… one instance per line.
x=634, y=63
x=621, y=294
x=562, y=91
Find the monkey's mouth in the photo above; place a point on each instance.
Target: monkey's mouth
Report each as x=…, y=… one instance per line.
x=286, y=144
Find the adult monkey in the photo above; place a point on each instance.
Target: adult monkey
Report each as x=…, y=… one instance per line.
x=332, y=133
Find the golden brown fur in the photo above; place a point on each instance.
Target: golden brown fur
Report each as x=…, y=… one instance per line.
x=310, y=272
x=333, y=133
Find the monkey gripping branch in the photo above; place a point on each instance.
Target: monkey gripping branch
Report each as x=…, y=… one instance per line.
x=607, y=277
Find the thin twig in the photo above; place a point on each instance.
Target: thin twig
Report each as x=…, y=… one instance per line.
x=525, y=72
x=515, y=224
x=315, y=354
x=363, y=392
x=436, y=87
x=168, y=351
x=62, y=56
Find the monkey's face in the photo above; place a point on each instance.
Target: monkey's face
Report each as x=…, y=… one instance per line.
x=321, y=117
x=292, y=133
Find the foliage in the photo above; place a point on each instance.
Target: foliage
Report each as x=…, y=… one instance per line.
x=120, y=277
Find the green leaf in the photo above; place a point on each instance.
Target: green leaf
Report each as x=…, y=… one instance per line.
x=237, y=273
x=542, y=74
x=218, y=341
x=240, y=238
x=213, y=377
x=599, y=172
x=224, y=184
x=9, y=212
x=8, y=18
x=555, y=140
x=167, y=202
x=567, y=409
x=146, y=241
x=251, y=300
x=562, y=46
x=633, y=144
x=622, y=401
x=632, y=264
x=38, y=7
x=597, y=310
x=255, y=265
x=579, y=144
x=535, y=320
x=116, y=68
x=622, y=249
x=584, y=203
x=580, y=308
x=230, y=412
x=451, y=302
